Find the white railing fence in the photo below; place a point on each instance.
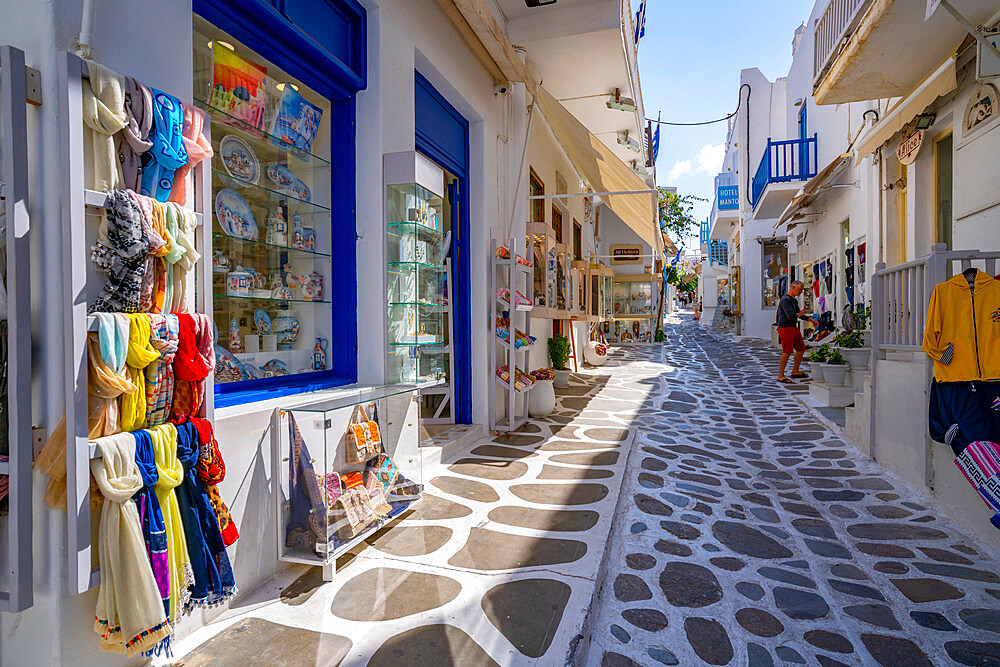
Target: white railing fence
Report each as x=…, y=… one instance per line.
x=900, y=296
x=837, y=23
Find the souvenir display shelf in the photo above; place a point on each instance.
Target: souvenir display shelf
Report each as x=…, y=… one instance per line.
x=508, y=273
x=563, y=296
x=594, y=294
x=81, y=208
x=417, y=276
x=607, y=292
x=16, y=564
x=632, y=305
x=314, y=457
x=271, y=199
x=580, y=284
x=541, y=246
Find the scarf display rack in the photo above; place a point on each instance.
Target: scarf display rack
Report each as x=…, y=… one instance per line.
x=77, y=203
x=17, y=562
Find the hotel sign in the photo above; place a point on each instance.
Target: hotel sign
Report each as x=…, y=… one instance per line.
x=626, y=254
x=728, y=197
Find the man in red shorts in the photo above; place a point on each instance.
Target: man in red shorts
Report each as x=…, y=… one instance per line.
x=788, y=331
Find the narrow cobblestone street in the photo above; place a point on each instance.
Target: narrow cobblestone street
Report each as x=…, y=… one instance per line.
x=746, y=532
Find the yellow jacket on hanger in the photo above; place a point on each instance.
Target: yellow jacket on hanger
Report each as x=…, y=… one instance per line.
x=968, y=319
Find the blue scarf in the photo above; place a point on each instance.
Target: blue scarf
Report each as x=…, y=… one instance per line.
x=213, y=575
x=150, y=516
x=168, y=152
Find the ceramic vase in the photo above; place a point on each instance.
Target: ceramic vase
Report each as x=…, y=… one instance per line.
x=542, y=399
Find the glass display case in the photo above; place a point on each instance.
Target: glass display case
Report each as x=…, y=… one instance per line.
x=594, y=297
x=562, y=295
x=578, y=280
x=633, y=309
x=540, y=243
x=342, y=469
x=271, y=228
x=417, y=280
x=607, y=292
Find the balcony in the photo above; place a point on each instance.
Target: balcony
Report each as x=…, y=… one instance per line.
x=867, y=50
x=718, y=253
x=703, y=238
x=782, y=166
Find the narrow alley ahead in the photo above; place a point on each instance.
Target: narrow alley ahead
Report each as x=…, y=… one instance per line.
x=746, y=531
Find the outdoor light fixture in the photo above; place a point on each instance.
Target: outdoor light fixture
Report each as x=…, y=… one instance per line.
x=798, y=102
x=622, y=103
x=539, y=3
x=925, y=120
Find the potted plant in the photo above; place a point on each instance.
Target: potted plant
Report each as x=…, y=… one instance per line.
x=542, y=399
x=853, y=349
x=559, y=355
x=817, y=357
x=835, y=369
x=660, y=336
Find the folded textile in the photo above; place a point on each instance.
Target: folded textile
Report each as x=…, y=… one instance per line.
x=151, y=517
x=104, y=113
x=132, y=142
x=132, y=407
x=213, y=575
x=171, y=474
x=125, y=256
x=186, y=225
x=168, y=152
x=980, y=464
x=211, y=472
x=198, y=148
x=130, y=616
x=163, y=337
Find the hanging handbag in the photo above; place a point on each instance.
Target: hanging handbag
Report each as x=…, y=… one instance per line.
x=330, y=487
x=376, y=494
x=363, y=438
x=352, y=512
x=386, y=470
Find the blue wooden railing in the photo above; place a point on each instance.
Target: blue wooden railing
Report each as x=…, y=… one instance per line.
x=704, y=231
x=784, y=161
x=718, y=253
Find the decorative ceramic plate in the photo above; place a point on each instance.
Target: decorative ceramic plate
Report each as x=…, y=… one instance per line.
x=262, y=321
x=239, y=159
x=288, y=182
x=274, y=368
x=234, y=215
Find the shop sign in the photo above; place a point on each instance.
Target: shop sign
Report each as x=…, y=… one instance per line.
x=910, y=139
x=626, y=254
x=728, y=197
x=981, y=108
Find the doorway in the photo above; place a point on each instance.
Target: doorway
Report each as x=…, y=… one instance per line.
x=943, y=183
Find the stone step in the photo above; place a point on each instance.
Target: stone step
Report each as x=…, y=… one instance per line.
x=834, y=397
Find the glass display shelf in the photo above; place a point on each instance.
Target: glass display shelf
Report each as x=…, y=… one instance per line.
x=219, y=237
x=343, y=469
x=415, y=227
x=417, y=303
x=264, y=196
x=418, y=266
x=268, y=147
x=224, y=297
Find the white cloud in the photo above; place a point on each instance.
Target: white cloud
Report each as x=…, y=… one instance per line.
x=710, y=158
x=680, y=167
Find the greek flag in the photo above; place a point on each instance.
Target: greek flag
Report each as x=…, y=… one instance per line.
x=640, y=22
x=655, y=148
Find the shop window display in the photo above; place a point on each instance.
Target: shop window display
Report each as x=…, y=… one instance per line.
x=775, y=272
x=632, y=306
x=344, y=468
x=271, y=224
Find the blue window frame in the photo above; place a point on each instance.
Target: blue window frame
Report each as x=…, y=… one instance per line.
x=442, y=134
x=323, y=43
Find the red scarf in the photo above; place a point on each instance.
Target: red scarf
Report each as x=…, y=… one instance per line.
x=189, y=364
x=212, y=470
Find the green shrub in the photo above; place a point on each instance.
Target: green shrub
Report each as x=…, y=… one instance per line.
x=853, y=340
x=836, y=358
x=559, y=351
x=659, y=336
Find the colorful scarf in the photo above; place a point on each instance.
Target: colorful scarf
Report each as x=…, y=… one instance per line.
x=160, y=373
x=213, y=574
x=168, y=152
x=171, y=474
x=104, y=113
x=124, y=258
x=194, y=360
x=150, y=516
x=186, y=225
x=198, y=148
x=133, y=140
x=130, y=617
x=140, y=355
x=211, y=472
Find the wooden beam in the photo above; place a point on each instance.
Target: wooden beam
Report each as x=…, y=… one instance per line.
x=493, y=38
x=470, y=38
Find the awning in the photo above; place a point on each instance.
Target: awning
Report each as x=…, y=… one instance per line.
x=604, y=171
x=941, y=82
x=813, y=187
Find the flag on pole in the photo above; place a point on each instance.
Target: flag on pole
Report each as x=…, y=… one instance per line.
x=640, y=22
x=655, y=148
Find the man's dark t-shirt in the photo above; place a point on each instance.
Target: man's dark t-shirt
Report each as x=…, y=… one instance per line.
x=788, y=311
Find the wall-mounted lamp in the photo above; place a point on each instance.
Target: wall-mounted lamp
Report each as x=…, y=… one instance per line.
x=925, y=120
x=798, y=102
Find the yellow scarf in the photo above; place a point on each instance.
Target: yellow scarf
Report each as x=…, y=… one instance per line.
x=140, y=354
x=171, y=474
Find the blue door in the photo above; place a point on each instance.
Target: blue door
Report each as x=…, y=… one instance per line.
x=442, y=134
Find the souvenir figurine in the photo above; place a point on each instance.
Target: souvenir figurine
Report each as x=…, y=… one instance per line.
x=220, y=263
x=316, y=280
x=286, y=326
x=298, y=232
x=277, y=229
x=235, y=346
x=319, y=355
x=238, y=282
x=278, y=288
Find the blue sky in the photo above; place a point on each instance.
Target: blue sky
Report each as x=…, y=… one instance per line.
x=689, y=65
